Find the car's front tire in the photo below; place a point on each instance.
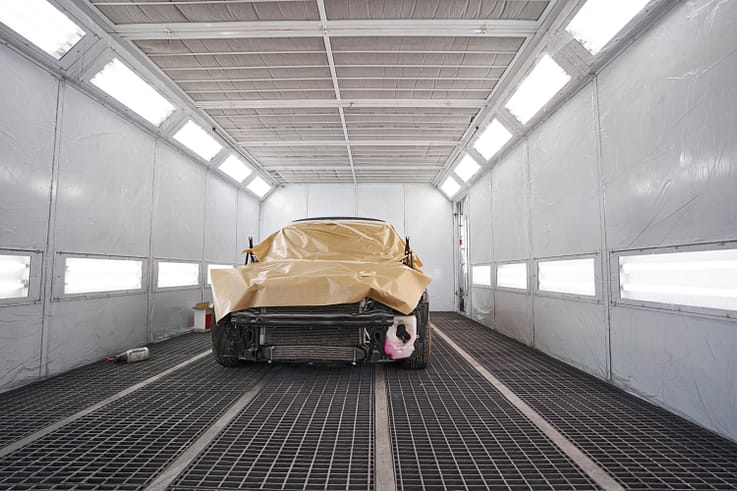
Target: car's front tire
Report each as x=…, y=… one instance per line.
x=221, y=344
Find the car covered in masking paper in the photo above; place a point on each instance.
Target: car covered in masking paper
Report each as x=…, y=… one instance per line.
x=324, y=290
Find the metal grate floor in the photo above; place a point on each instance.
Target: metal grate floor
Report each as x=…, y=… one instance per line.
x=127, y=443
x=642, y=446
x=310, y=428
x=30, y=408
x=452, y=430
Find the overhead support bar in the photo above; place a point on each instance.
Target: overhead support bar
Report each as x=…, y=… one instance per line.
x=345, y=103
x=334, y=28
x=355, y=143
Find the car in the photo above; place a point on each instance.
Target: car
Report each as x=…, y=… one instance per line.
x=330, y=289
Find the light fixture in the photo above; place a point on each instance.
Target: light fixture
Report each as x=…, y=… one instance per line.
x=450, y=187
x=573, y=276
x=481, y=275
x=172, y=274
x=466, y=168
x=42, y=24
x=492, y=139
x=210, y=267
x=695, y=278
x=235, y=168
x=14, y=276
x=198, y=140
x=513, y=275
x=90, y=275
x=120, y=82
x=542, y=83
x=598, y=21
x=259, y=187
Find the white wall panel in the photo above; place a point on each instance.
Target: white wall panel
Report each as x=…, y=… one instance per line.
x=220, y=220
x=179, y=205
x=564, y=180
x=479, y=224
x=325, y=200
x=510, y=197
x=668, y=116
x=84, y=331
x=27, y=124
x=382, y=201
x=20, y=344
x=572, y=331
x=482, y=305
x=513, y=315
x=429, y=217
x=171, y=312
x=281, y=207
x=105, y=181
x=686, y=363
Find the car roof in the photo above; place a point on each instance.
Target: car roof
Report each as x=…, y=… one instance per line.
x=334, y=219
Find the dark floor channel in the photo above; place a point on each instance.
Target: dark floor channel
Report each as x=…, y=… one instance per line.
x=316, y=427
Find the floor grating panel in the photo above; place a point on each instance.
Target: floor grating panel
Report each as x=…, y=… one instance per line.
x=642, y=446
x=32, y=407
x=311, y=428
x=127, y=443
x=452, y=430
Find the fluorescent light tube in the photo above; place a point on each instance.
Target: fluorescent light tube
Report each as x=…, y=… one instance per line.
x=481, y=275
x=573, y=276
x=90, y=275
x=494, y=137
x=466, y=168
x=172, y=274
x=598, y=21
x=121, y=83
x=198, y=140
x=543, y=82
x=512, y=275
x=14, y=276
x=42, y=24
x=235, y=168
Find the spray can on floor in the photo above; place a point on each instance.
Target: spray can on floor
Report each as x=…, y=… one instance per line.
x=130, y=356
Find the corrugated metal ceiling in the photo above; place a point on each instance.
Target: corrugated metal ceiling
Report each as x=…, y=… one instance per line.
x=357, y=100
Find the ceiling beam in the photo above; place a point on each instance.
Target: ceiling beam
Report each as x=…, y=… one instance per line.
x=355, y=143
x=335, y=28
x=345, y=103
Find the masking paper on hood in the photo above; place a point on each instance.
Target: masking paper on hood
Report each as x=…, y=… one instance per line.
x=323, y=263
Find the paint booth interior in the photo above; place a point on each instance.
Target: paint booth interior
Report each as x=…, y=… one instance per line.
x=565, y=170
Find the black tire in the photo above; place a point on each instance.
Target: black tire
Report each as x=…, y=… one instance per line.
x=423, y=346
x=221, y=344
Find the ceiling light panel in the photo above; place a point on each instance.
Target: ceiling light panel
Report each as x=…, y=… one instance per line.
x=235, y=168
x=120, y=82
x=450, y=187
x=466, y=168
x=42, y=24
x=259, y=187
x=599, y=21
x=198, y=140
x=541, y=85
x=494, y=137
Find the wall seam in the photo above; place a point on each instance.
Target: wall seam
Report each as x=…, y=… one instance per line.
x=150, y=275
x=48, y=258
x=604, y=259
x=532, y=273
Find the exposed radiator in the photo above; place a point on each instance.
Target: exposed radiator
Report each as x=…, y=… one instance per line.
x=315, y=336
x=322, y=353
